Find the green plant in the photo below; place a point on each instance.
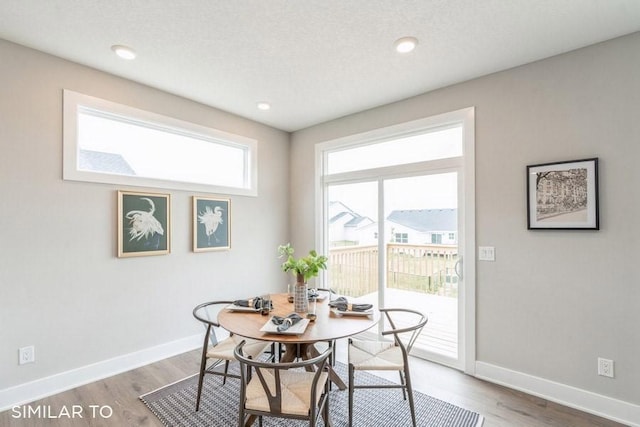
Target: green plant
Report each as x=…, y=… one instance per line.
x=304, y=267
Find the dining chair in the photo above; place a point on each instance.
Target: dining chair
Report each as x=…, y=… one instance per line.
x=283, y=390
x=387, y=355
x=219, y=345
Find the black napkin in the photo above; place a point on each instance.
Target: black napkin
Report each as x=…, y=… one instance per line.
x=342, y=304
x=285, y=322
x=254, y=302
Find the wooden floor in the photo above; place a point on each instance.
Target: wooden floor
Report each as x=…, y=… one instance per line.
x=500, y=406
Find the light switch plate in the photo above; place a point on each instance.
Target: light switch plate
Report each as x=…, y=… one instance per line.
x=486, y=253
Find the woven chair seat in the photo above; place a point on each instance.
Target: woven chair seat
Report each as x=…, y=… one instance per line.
x=224, y=349
x=295, y=392
x=375, y=356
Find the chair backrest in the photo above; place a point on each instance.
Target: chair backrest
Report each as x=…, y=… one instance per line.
x=266, y=370
x=397, y=319
x=207, y=313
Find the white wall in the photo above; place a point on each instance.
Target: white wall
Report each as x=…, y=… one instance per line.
x=553, y=301
x=62, y=288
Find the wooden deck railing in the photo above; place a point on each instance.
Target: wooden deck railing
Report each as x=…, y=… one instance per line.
x=353, y=270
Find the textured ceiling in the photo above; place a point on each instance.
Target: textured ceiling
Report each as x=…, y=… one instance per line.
x=313, y=60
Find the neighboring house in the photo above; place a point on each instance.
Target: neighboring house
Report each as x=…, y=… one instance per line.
x=347, y=227
x=423, y=226
x=417, y=226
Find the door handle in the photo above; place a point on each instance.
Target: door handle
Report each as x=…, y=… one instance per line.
x=458, y=268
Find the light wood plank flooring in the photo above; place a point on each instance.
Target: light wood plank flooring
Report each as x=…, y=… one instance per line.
x=500, y=406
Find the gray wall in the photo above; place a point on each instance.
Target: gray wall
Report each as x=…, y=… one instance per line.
x=62, y=288
x=553, y=301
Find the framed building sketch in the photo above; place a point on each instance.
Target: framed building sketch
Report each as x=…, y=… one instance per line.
x=211, y=224
x=144, y=224
x=563, y=195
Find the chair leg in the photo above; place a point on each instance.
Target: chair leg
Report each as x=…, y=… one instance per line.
x=403, y=383
x=410, y=392
x=203, y=366
x=226, y=369
x=351, y=385
x=312, y=419
x=326, y=406
x=332, y=358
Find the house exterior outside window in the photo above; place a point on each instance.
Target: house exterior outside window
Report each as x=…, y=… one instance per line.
x=401, y=238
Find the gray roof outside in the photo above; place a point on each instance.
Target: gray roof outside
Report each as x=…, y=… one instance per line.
x=426, y=219
x=356, y=221
x=353, y=222
x=98, y=161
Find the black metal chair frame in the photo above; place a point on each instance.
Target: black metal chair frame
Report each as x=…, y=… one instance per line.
x=210, y=338
x=251, y=368
x=405, y=378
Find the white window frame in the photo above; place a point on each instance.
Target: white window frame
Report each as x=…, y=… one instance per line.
x=466, y=117
x=74, y=102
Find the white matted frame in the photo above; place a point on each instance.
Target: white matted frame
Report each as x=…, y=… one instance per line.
x=563, y=195
x=144, y=224
x=211, y=224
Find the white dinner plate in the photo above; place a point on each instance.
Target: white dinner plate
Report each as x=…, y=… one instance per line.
x=297, y=329
x=233, y=307
x=352, y=313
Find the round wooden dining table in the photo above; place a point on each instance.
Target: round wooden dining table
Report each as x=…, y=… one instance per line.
x=328, y=326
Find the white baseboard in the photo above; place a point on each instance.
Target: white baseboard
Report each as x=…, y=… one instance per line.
x=603, y=406
x=38, y=389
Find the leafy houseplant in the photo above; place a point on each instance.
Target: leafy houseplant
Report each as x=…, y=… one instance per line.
x=303, y=268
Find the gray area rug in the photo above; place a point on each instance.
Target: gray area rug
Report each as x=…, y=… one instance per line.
x=174, y=405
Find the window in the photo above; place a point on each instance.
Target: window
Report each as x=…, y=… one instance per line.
x=115, y=144
x=436, y=238
x=416, y=147
x=401, y=238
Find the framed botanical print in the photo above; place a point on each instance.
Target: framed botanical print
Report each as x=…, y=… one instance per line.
x=563, y=195
x=144, y=224
x=211, y=224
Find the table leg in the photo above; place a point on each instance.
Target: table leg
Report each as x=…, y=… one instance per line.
x=309, y=351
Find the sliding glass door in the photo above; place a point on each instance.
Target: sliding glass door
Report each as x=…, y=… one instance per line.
x=394, y=230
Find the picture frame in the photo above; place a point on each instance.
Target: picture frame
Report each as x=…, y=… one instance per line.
x=563, y=195
x=144, y=224
x=211, y=224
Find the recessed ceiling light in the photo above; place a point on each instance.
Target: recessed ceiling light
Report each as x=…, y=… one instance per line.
x=123, y=52
x=264, y=106
x=406, y=44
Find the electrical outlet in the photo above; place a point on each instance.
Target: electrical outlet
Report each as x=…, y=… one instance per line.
x=26, y=355
x=605, y=367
